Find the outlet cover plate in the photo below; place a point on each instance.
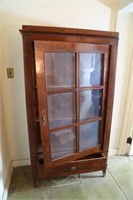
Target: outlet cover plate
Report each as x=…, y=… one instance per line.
x=10, y=73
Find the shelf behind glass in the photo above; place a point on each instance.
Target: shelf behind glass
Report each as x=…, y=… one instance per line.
x=63, y=143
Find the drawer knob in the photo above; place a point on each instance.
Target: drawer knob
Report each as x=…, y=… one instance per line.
x=73, y=168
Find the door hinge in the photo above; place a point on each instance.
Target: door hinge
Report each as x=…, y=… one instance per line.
x=129, y=140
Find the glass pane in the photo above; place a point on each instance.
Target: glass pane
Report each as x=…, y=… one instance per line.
x=90, y=69
x=89, y=135
x=61, y=109
x=62, y=143
x=60, y=70
x=90, y=104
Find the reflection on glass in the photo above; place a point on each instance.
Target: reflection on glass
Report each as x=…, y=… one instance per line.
x=90, y=69
x=61, y=109
x=89, y=135
x=60, y=70
x=90, y=104
x=62, y=143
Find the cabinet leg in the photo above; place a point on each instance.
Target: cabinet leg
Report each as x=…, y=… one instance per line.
x=104, y=172
x=35, y=182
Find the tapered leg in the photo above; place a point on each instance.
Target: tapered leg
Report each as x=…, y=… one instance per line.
x=35, y=182
x=104, y=172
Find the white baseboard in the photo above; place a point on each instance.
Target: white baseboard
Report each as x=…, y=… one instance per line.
x=26, y=161
x=113, y=152
x=7, y=184
x=21, y=162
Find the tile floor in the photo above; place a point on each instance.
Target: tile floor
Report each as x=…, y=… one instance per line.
x=117, y=185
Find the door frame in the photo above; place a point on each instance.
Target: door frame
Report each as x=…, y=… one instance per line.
x=126, y=41
x=40, y=47
x=127, y=120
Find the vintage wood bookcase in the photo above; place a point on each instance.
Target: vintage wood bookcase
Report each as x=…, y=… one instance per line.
x=69, y=84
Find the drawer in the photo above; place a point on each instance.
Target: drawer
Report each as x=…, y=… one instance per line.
x=84, y=165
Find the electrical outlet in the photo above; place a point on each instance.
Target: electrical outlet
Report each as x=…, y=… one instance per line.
x=10, y=73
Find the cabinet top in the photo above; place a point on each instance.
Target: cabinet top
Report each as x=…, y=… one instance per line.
x=68, y=31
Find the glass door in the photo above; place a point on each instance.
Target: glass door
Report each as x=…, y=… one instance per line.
x=71, y=93
x=90, y=97
x=61, y=102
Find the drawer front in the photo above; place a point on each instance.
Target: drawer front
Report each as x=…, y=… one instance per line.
x=74, y=167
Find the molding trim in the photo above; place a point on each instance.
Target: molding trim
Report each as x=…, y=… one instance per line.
x=126, y=127
x=113, y=152
x=21, y=162
x=7, y=184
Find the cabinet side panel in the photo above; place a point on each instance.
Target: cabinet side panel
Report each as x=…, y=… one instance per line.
x=110, y=96
x=28, y=71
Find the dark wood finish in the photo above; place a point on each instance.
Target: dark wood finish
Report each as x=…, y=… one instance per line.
x=88, y=164
x=110, y=97
x=69, y=31
x=69, y=116
x=77, y=98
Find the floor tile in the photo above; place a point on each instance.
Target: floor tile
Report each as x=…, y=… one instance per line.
x=21, y=179
x=62, y=180
x=130, y=158
x=65, y=192
x=35, y=193
x=125, y=182
x=22, y=186
x=119, y=164
x=121, y=169
x=101, y=188
x=117, y=184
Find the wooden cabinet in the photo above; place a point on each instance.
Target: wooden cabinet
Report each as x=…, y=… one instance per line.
x=69, y=84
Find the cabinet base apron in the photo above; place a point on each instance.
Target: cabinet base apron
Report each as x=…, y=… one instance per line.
x=74, y=167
